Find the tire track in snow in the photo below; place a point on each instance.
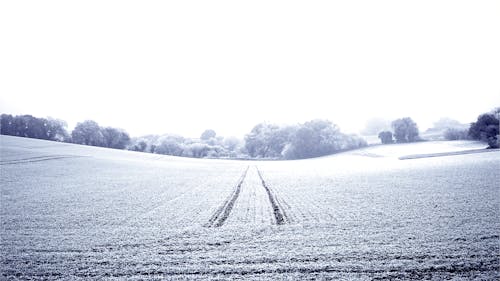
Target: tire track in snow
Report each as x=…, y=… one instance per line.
x=37, y=159
x=223, y=212
x=280, y=215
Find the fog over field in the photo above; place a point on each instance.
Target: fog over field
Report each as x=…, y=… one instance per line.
x=250, y=140
x=181, y=68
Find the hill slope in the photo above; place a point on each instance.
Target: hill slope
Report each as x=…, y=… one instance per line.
x=70, y=211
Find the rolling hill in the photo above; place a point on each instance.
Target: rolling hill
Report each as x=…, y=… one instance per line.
x=79, y=212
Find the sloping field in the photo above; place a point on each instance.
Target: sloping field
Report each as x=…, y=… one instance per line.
x=76, y=212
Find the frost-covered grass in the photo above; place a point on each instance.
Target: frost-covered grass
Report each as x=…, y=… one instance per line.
x=426, y=147
x=76, y=212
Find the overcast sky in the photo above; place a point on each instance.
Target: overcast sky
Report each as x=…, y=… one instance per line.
x=185, y=66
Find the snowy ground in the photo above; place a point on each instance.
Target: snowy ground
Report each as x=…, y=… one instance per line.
x=76, y=212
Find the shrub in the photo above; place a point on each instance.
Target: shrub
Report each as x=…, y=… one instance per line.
x=485, y=129
x=385, y=137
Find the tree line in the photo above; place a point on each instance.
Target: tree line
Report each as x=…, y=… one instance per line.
x=87, y=132
x=310, y=139
x=485, y=129
x=31, y=127
x=209, y=145
x=266, y=140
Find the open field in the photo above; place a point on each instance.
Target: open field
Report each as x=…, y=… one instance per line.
x=77, y=212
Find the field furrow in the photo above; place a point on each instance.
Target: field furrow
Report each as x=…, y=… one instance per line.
x=280, y=216
x=223, y=212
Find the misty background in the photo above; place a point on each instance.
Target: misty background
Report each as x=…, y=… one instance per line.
x=182, y=68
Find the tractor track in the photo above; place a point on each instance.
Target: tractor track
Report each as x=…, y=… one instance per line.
x=223, y=212
x=280, y=215
x=37, y=159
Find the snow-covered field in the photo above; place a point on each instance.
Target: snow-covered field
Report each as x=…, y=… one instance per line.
x=76, y=212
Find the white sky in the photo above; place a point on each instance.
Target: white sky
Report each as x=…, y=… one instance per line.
x=185, y=66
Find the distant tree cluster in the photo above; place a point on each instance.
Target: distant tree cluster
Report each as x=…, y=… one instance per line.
x=268, y=140
x=90, y=133
x=209, y=145
x=449, y=129
x=447, y=123
x=486, y=128
x=32, y=127
x=311, y=139
x=456, y=134
x=404, y=130
x=87, y=132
